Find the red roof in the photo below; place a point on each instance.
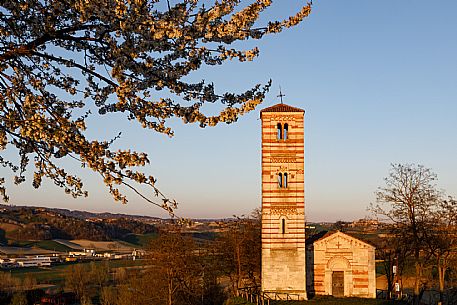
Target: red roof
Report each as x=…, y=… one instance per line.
x=281, y=108
x=323, y=235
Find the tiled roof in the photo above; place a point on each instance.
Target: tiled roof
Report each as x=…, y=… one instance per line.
x=324, y=234
x=281, y=108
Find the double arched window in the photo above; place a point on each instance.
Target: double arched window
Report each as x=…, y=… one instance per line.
x=282, y=131
x=282, y=180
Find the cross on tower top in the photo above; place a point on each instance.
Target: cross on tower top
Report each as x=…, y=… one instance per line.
x=280, y=94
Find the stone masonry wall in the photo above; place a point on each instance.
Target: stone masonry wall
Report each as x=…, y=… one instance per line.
x=340, y=252
x=283, y=248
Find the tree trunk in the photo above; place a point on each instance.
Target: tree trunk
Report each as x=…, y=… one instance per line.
x=441, y=275
x=417, y=282
x=390, y=277
x=238, y=257
x=170, y=298
x=170, y=291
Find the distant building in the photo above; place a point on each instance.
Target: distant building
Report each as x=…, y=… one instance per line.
x=6, y=263
x=138, y=253
x=38, y=261
x=85, y=252
x=365, y=223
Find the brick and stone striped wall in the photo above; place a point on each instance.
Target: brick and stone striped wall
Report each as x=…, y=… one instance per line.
x=283, y=249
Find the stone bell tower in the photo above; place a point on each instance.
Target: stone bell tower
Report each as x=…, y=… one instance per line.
x=283, y=201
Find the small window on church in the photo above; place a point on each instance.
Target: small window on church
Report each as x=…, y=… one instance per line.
x=286, y=131
x=279, y=132
x=284, y=182
x=283, y=226
x=280, y=180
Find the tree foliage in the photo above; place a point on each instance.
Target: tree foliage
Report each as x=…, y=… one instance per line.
x=36, y=224
x=63, y=61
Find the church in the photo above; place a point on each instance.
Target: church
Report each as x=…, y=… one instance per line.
x=294, y=267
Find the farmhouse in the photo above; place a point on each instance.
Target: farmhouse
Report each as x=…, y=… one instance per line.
x=37, y=261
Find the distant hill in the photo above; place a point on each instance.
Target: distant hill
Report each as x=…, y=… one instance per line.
x=87, y=215
x=36, y=223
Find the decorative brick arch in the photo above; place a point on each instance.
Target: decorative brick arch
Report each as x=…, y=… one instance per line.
x=335, y=264
x=338, y=263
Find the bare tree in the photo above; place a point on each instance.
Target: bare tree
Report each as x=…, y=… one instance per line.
x=19, y=298
x=175, y=257
x=8, y=283
x=29, y=282
x=99, y=273
x=392, y=252
x=240, y=249
x=443, y=240
x=407, y=200
x=108, y=295
x=77, y=279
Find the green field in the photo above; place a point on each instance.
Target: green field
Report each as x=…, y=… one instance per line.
x=56, y=274
x=42, y=244
x=52, y=245
x=140, y=240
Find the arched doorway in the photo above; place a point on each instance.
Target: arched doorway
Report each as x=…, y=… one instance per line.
x=339, y=276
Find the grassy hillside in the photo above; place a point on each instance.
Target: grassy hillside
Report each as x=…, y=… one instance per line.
x=53, y=246
x=24, y=224
x=140, y=240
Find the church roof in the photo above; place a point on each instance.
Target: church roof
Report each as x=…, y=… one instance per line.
x=326, y=234
x=281, y=108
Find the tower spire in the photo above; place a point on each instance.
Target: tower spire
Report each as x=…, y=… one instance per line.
x=280, y=94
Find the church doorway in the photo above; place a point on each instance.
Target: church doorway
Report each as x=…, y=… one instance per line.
x=338, y=284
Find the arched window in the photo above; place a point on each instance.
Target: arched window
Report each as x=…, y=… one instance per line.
x=286, y=131
x=283, y=226
x=283, y=180
x=279, y=132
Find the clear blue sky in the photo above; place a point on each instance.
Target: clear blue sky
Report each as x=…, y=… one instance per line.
x=378, y=81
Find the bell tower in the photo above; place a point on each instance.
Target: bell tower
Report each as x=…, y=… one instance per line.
x=283, y=201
